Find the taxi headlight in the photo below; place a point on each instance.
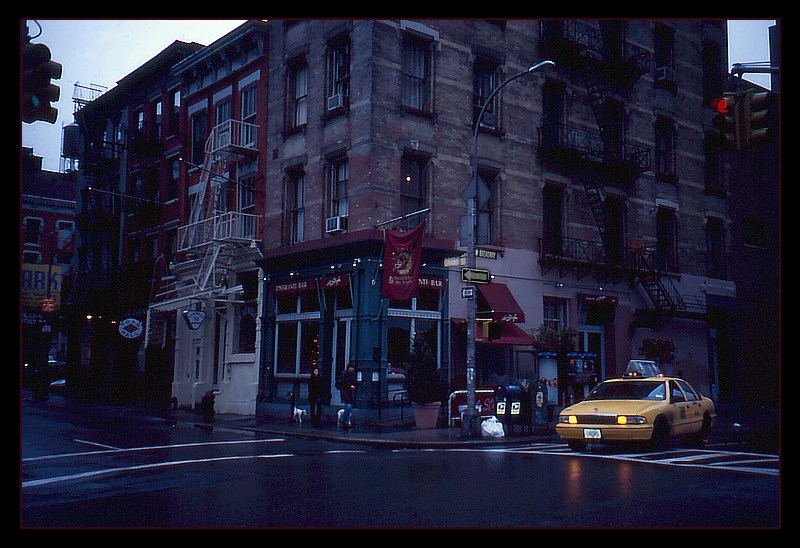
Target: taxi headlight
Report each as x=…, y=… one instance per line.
x=568, y=419
x=631, y=419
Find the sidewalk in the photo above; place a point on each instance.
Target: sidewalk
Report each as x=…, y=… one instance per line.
x=390, y=429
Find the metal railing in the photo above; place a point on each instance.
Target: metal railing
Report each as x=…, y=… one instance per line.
x=224, y=226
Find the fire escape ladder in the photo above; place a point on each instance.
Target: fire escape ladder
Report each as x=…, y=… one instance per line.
x=661, y=290
x=595, y=196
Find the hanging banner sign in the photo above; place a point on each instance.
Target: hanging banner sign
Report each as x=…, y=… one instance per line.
x=401, y=263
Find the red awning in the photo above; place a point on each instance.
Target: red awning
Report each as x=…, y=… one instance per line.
x=502, y=305
x=509, y=334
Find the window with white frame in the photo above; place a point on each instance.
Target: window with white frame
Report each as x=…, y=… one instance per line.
x=554, y=313
x=297, y=94
x=338, y=175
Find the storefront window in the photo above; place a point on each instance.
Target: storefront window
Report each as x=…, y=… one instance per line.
x=297, y=327
x=417, y=318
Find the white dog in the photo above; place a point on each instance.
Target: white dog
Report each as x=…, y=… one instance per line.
x=298, y=415
x=339, y=419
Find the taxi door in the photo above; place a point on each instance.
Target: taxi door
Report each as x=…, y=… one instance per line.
x=681, y=412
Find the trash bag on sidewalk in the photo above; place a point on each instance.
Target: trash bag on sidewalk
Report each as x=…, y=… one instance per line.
x=492, y=428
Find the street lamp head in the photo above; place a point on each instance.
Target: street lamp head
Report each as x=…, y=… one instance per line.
x=540, y=65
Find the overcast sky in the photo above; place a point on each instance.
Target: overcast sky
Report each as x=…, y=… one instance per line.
x=104, y=51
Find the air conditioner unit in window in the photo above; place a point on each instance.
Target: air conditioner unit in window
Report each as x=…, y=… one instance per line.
x=665, y=74
x=335, y=224
x=335, y=101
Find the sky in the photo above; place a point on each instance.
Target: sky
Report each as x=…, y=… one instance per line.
x=102, y=52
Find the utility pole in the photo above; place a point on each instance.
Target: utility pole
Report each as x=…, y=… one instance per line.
x=473, y=193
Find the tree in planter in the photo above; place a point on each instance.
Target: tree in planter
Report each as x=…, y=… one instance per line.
x=561, y=342
x=424, y=384
x=660, y=351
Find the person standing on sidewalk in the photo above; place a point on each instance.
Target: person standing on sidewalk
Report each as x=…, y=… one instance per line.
x=315, y=390
x=347, y=387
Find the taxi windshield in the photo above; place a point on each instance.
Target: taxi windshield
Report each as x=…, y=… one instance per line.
x=628, y=390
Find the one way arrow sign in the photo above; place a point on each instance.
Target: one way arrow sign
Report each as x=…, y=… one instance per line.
x=475, y=276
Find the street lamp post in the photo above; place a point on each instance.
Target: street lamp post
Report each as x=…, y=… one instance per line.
x=470, y=423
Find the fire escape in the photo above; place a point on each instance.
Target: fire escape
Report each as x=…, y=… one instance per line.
x=607, y=65
x=217, y=239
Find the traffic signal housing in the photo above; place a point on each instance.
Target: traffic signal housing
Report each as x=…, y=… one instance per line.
x=757, y=117
x=38, y=92
x=725, y=119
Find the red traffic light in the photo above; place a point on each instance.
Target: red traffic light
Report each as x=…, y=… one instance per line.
x=720, y=105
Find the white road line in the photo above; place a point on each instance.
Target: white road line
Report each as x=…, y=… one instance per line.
x=145, y=448
x=109, y=471
x=96, y=444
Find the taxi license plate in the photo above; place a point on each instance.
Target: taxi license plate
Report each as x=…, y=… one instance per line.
x=591, y=433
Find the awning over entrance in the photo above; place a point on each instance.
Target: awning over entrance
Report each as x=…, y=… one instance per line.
x=500, y=304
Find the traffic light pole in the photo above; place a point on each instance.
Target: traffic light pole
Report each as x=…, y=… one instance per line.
x=470, y=426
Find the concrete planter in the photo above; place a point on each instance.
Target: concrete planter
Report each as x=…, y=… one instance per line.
x=426, y=415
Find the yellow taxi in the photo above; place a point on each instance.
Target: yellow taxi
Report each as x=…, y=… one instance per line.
x=642, y=406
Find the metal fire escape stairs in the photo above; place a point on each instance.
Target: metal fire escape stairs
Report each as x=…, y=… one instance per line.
x=663, y=294
x=214, y=241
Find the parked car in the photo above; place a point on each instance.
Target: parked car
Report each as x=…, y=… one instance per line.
x=638, y=408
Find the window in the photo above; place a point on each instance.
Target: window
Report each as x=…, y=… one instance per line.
x=754, y=232
x=486, y=219
x=418, y=318
x=417, y=74
x=33, y=227
x=613, y=222
x=338, y=174
x=664, y=57
x=338, y=74
x=249, y=116
x=414, y=185
x=198, y=137
x=295, y=208
x=297, y=95
x=666, y=240
x=552, y=214
x=665, y=148
x=715, y=247
x=223, y=111
x=555, y=313
x=175, y=112
x=713, y=166
x=159, y=120
x=297, y=332
x=247, y=206
x=484, y=80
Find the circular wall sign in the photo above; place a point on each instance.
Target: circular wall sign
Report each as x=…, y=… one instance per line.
x=130, y=328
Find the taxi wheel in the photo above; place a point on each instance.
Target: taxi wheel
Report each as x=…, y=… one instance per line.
x=700, y=439
x=660, y=437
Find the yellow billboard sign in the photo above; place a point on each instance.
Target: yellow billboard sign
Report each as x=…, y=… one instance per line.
x=40, y=285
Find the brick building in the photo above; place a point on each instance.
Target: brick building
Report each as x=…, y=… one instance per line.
x=302, y=141
x=606, y=196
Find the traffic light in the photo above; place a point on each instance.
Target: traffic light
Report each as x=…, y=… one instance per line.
x=725, y=120
x=756, y=117
x=38, y=69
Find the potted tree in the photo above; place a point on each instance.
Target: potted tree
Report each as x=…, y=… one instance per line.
x=424, y=385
